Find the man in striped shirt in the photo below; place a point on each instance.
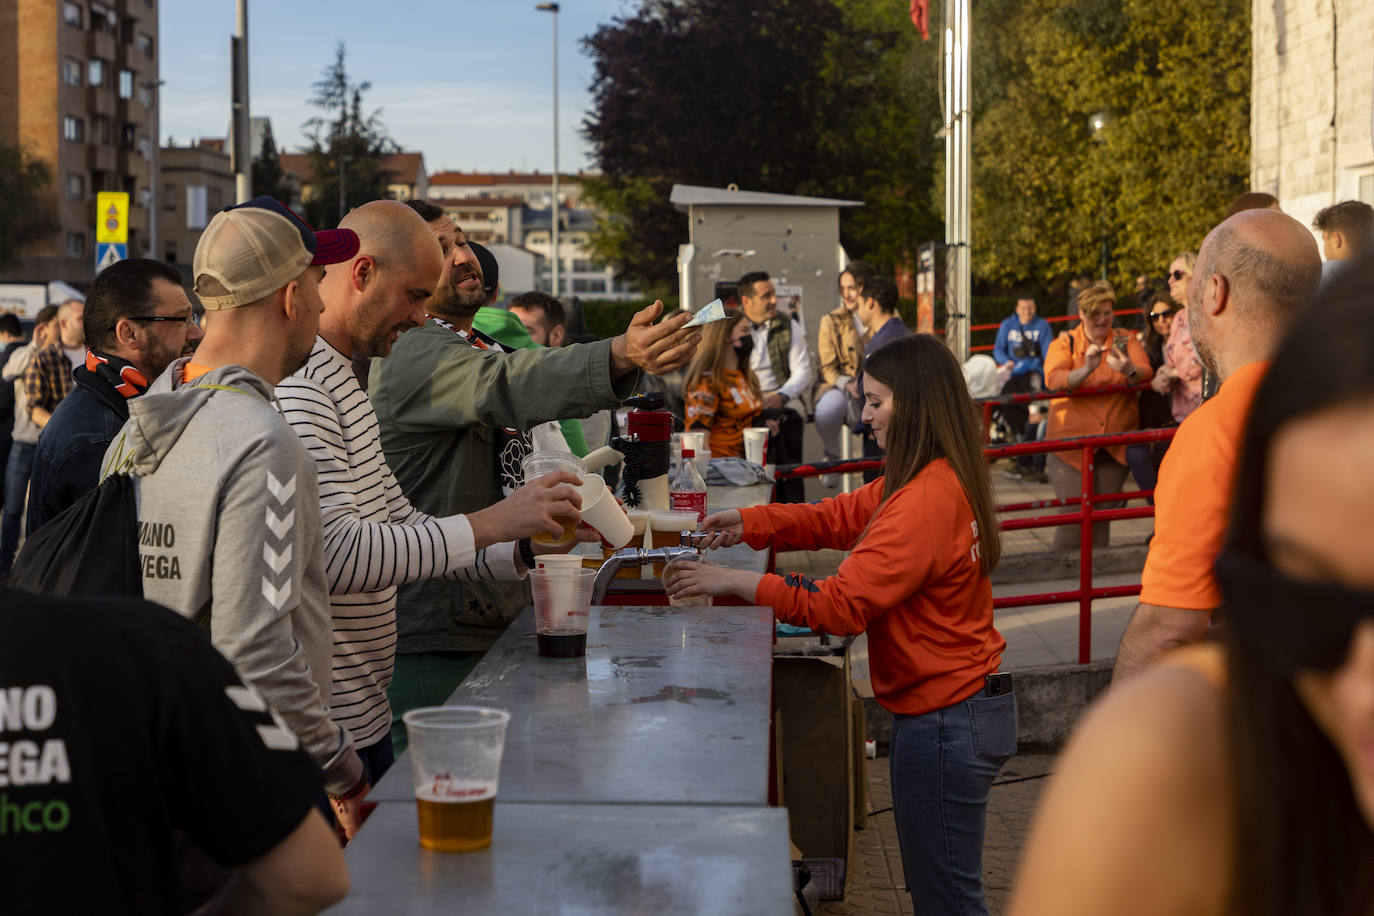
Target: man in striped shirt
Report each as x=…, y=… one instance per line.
x=374, y=539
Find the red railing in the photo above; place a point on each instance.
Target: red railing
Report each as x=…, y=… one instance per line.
x=988, y=405
x=1086, y=502
x=1052, y=319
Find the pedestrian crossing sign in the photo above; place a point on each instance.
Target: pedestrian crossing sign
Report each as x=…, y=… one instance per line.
x=107, y=253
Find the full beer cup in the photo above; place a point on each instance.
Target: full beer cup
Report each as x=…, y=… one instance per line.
x=537, y=464
x=665, y=530
x=455, y=761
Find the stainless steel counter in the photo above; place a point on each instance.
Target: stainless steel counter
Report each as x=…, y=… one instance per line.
x=670, y=706
x=579, y=859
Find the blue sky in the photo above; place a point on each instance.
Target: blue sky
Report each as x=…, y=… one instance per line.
x=467, y=83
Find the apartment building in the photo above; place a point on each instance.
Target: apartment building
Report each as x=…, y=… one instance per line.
x=197, y=182
x=78, y=90
x=512, y=211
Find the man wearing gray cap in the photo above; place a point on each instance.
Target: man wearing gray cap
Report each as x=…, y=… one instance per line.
x=229, y=522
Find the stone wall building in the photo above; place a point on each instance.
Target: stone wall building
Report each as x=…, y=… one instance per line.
x=1312, y=103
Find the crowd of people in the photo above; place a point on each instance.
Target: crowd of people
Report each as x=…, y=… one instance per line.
x=324, y=452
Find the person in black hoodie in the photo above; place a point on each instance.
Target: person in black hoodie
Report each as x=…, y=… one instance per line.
x=137, y=321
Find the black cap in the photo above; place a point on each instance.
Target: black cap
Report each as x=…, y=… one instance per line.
x=491, y=271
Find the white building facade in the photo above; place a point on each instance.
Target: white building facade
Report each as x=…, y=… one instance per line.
x=1312, y=103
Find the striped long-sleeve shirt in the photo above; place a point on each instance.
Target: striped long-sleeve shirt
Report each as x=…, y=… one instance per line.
x=375, y=539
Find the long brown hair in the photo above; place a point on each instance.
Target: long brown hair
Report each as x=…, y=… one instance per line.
x=709, y=361
x=934, y=417
x=1299, y=844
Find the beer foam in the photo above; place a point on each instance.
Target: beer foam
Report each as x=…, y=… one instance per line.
x=449, y=791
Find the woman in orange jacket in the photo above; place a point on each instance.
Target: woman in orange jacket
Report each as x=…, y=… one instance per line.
x=922, y=540
x=1091, y=355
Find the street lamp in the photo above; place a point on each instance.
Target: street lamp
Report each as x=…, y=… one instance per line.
x=154, y=179
x=553, y=8
x=1097, y=124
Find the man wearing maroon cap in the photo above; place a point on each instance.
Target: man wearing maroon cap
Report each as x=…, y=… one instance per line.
x=228, y=511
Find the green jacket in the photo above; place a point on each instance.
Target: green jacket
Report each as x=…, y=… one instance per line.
x=441, y=405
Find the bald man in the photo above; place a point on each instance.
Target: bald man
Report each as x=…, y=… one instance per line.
x=1253, y=275
x=374, y=539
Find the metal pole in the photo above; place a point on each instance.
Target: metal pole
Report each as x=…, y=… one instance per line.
x=554, y=210
x=154, y=178
x=243, y=169
x=965, y=215
x=1085, y=559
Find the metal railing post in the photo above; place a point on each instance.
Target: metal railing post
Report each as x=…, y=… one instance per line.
x=1085, y=561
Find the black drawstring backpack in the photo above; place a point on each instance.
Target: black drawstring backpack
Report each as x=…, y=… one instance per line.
x=91, y=548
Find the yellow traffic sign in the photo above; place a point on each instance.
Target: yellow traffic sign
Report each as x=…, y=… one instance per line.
x=112, y=217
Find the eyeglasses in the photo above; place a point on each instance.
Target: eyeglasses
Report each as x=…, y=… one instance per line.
x=1179, y=274
x=1292, y=624
x=1155, y=316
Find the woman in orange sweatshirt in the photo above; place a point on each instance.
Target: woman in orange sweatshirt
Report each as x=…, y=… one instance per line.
x=922, y=541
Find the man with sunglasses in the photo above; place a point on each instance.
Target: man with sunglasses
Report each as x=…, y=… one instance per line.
x=1252, y=275
x=137, y=321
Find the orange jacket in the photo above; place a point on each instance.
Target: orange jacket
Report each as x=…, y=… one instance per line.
x=915, y=583
x=1093, y=416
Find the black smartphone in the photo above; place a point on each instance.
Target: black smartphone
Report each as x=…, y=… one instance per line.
x=998, y=684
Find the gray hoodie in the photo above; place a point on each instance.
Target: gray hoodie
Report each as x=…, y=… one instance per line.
x=229, y=522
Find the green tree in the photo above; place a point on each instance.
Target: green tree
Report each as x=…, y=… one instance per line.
x=27, y=209
x=1174, y=81
x=818, y=97
x=344, y=137
x=268, y=175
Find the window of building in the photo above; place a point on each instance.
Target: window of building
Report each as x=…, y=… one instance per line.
x=1367, y=188
x=145, y=198
x=96, y=72
x=76, y=244
x=584, y=266
x=126, y=29
x=216, y=199
x=76, y=186
x=144, y=42
x=100, y=129
x=145, y=146
x=71, y=71
x=104, y=19
x=71, y=13
x=127, y=133
x=145, y=95
x=73, y=129
x=588, y=286
x=169, y=197
x=126, y=84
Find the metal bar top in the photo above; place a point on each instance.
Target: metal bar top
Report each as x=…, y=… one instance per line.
x=669, y=706
x=578, y=859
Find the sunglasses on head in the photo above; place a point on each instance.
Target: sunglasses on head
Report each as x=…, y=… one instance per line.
x=1291, y=624
x=1178, y=274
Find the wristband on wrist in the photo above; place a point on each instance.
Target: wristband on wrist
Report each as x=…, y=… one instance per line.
x=526, y=551
x=352, y=793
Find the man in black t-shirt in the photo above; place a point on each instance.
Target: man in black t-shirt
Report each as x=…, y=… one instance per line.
x=120, y=724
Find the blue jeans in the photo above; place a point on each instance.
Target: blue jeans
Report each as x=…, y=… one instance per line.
x=1144, y=461
x=16, y=485
x=943, y=765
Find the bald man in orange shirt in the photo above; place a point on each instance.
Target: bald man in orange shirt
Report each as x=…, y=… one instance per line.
x=1254, y=273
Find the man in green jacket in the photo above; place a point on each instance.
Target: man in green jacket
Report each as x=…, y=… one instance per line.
x=454, y=409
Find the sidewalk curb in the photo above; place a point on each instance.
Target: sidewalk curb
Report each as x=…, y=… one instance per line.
x=1049, y=701
x=1044, y=566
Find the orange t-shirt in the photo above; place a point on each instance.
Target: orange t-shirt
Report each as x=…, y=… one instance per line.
x=1099, y=414
x=915, y=583
x=726, y=407
x=1193, y=498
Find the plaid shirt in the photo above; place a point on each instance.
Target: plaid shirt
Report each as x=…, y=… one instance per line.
x=49, y=378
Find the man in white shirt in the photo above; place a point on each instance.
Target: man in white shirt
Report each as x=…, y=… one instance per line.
x=781, y=362
x=375, y=539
